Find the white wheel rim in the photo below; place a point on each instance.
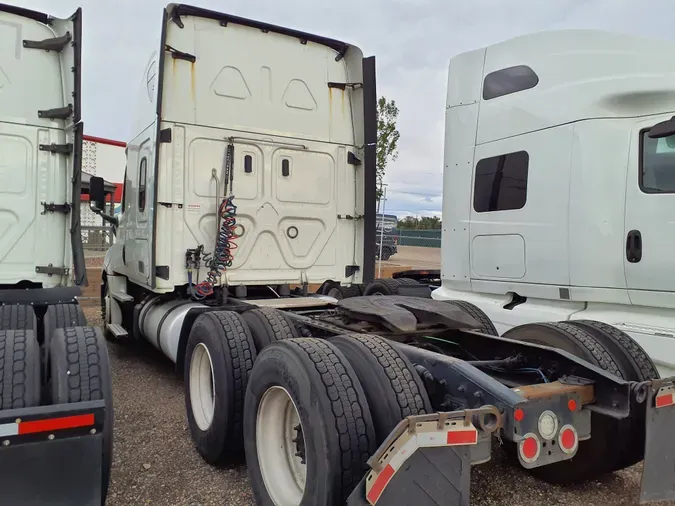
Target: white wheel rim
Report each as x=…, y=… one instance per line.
x=283, y=472
x=202, y=387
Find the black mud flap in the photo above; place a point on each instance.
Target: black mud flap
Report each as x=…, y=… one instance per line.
x=430, y=477
x=52, y=455
x=658, y=475
x=426, y=460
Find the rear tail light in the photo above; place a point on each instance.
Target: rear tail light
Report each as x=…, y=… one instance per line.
x=529, y=448
x=568, y=439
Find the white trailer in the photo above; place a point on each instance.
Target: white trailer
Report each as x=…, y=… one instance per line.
x=557, y=203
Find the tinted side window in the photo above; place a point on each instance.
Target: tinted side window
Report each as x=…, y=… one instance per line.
x=657, y=164
x=124, y=192
x=501, y=182
x=509, y=80
x=142, y=177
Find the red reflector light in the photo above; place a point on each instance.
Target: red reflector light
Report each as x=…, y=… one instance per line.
x=664, y=400
x=518, y=415
x=568, y=439
x=380, y=483
x=529, y=448
x=462, y=437
x=51, y=424
x=572, y=405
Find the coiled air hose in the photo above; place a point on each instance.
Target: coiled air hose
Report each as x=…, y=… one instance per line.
x=224, y=244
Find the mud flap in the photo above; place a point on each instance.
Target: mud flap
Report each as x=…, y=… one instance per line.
x=658, y=475
x=426, y=460
x=430, y=477
x=52, y=455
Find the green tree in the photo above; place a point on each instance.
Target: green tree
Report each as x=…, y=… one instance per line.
x=423, y=223
x=387, y=138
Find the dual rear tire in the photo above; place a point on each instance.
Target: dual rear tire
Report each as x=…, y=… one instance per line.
x=310, y=412
x=615, y=352
x=320, y=408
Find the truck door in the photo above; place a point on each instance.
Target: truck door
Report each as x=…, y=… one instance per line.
x=40, y=147
x=649, y=258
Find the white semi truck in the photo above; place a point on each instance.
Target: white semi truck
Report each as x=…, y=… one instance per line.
x=56, y=413
x=558, y=201
x=252, y=176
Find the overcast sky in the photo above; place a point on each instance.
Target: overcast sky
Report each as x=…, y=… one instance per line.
x=412, y=40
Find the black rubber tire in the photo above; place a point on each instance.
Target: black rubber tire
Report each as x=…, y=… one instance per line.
x=632, y=359
x=60, y=316
x=594, y=456
x=268, y=325
x=634, y=365
x=17, y=317
x=393, y=388
x=343, y=292
x=487, y=327
x=336, y=422
x=386, y=253
x=232, y=350
x=79, y=372
x=387, y=286
x=19, y=369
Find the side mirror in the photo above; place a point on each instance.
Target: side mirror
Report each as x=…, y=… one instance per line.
x=663, y=129
x=96, y=193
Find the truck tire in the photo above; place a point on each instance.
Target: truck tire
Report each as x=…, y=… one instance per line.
x=218, y=360
x=386, y=253
x=18, y=317
x=19, y=369
x=487, y=327
x=304, y=403
x=386, y=286
x=633, y=361
x=393, y=388
x=60, y=316
x=79, y=372
x=340, y=292
x=634, y=365
x=268, y=325
x=595, y=455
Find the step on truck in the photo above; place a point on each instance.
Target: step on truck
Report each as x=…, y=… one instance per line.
x=252, y=178
x=558, y=184
x=56, y=411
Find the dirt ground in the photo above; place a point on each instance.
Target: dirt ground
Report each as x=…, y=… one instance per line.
x=416, y=257
x=155, y=462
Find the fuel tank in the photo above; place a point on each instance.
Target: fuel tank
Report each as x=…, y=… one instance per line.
x=160, y=323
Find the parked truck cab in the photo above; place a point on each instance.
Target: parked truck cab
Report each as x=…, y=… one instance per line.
x=251, y=172
x=558, y=205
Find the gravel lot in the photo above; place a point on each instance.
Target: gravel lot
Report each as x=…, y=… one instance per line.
x=155, y=462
